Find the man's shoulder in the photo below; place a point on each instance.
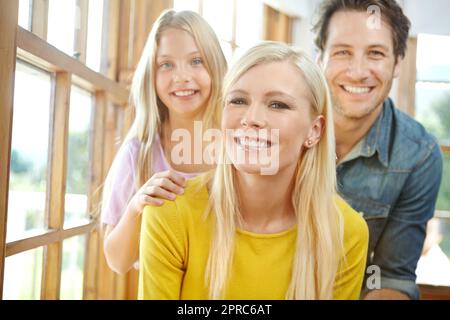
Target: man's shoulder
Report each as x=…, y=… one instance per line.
x=410, y=131
x=411, y=141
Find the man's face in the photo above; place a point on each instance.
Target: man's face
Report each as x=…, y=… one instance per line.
x=359, y=63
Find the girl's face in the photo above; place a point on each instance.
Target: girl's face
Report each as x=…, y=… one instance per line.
x=269, y=113
x=182, y=81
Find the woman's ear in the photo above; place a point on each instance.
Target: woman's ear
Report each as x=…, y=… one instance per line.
x=315, y=133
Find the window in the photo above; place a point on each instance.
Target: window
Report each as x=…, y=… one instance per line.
x=72, y=271
x=78, y=172
x=63, y=20
x=433, y=99
x=29, y=151
x=57, y=145
x=23, y=273
x=433, y=111
x=94, y=37
x=229, y=19
x=24, y=14
x=191, y=5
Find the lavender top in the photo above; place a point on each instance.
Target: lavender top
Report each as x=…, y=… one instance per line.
x=123, y=185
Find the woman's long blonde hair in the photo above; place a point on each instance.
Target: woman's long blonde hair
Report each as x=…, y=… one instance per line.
x=149, y=110
x=319, y=244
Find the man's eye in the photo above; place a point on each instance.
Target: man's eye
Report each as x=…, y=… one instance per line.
x=279, y=105
x=375, y=53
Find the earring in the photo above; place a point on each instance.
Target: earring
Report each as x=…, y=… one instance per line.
x=309, y=143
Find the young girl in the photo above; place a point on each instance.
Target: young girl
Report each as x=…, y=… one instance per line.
x=176, y=83
x=282, y=235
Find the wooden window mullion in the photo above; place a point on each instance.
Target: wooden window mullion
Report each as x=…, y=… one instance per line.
x=233, y=27
x=93, y=245
x=81, y=29
x=111, y=38
x=9, y=12
x=406, y=92
x=39, y=18
x=57, y=178
x=106, y=278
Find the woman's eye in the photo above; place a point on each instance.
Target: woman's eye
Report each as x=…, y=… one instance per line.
x=342, y=53
x=197, y=61
x=237, y=101
x=279, y=105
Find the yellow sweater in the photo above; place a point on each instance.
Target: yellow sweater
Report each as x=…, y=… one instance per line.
x=174, y=249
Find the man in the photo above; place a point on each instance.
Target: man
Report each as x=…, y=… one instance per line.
x=389, y=168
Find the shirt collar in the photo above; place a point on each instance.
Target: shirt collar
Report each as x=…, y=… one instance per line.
x=378, y=137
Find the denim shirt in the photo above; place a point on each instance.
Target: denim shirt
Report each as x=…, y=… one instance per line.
x=393, y=180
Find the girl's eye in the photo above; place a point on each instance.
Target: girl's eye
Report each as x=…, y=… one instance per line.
x=166, y=65
x=237, y=101
x=279, y=105
x=197, y=61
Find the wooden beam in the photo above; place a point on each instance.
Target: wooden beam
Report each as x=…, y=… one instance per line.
x=406, y=94
x=39, y=18
x=38, y=52
x=430, y=292
x=51, y=277
x=46, y=238
x=9, y=12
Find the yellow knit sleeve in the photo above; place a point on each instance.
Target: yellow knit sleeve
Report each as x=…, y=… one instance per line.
x=161, y=253
x=356, y=240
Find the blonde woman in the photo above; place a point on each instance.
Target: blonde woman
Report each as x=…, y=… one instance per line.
x=177, y=82
x=244, y=232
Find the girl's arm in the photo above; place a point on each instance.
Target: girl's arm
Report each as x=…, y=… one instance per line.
x=121, y=242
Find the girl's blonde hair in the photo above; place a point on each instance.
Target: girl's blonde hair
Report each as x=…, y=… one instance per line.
x=149, y=110
x=319, y=244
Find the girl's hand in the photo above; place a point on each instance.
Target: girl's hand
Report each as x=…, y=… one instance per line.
x=162, y=185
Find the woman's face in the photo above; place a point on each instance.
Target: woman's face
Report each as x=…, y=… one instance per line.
x=268, y=119
x=182, y=81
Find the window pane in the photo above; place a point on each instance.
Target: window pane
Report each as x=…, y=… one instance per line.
x=78, y=156
x=24, y=14
x=433, y=108
x=238, y=52
x=63, y=18
x=73, y=268
x=29, y=152
x=180, y=5
x=434, y=264
x=219, y=14
x=94, y=36
x=249, y=29
x=23, y=273
x=443, y=201
x=433, y=63
x=227, y=50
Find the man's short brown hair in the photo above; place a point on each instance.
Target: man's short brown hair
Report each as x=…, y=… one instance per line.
x=391, y=13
